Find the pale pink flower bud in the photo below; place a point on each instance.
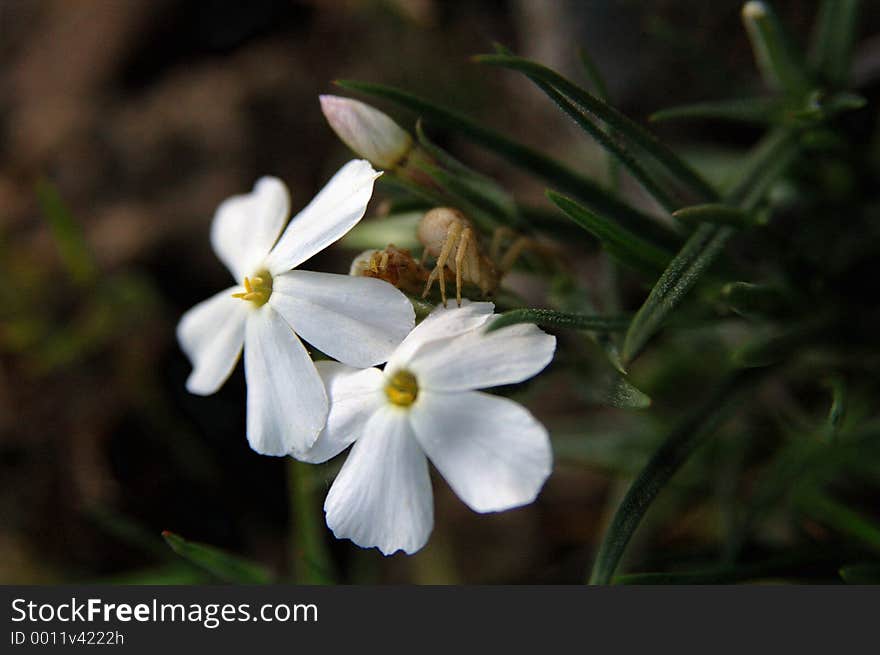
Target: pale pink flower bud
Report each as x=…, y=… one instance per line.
x=367, y=131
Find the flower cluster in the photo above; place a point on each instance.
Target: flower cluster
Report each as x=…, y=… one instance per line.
x=423, y=405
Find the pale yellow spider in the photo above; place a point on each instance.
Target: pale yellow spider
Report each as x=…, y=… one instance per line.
x=449, y=236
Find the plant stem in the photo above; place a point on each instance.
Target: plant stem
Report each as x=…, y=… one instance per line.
x=309, y=559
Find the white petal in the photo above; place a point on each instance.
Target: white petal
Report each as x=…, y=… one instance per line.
x=212, y=334
x=357, y=320
x=286, y=402
x=355, y=395
x=491, y=450
x=441, y=323
x=333, y=212
x=478, y=360
x=245, y=227
x=382, y=496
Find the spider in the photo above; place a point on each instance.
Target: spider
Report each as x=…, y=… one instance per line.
x=449, y=236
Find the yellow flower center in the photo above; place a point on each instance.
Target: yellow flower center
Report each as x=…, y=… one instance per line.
x=402, y=389
x=257, y=289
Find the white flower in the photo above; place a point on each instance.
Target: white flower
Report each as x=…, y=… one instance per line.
x=354, y=319
x=491, y=450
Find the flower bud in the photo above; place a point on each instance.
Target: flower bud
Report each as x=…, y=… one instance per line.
x=367, y=131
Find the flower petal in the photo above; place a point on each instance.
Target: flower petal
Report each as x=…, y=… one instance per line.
x=382, y=496
x=441, y=323
x=333, y=212
x=355, y=395
x=493, y=453
x=246, y=226
x=286, y=402
x=357, y=320
x=212, y=334
x=478, y=360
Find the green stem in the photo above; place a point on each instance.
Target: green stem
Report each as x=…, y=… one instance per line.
x=309, y=558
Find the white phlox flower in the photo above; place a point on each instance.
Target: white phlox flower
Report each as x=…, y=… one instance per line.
x=424, y=406
x=357, y=320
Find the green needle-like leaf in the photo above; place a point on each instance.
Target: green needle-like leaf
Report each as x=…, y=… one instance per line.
x=838, y=406
x=593, y=74
x=838, y=517
x=781, y=65
x=598, y=81
x=226, y=567
x=68, y=234
x=775, y=567
x=765, y=164
x=551, y=318
x=626, y=127
x=672, y=453
x=683, y=271
x=834, y=38
x=757, y=111
x=621, y=243
x=715, y=214
x=861, y=574
x=610, y=144
x=555, y=173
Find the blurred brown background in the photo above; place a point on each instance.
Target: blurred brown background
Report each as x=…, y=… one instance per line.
x=144, y=115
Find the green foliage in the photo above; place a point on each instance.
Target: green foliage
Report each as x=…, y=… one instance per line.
x=798, y=217
x=219, y=563
x=551, y=318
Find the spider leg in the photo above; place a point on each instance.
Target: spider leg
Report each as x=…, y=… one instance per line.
x=460, y=260
x=513, y=253
x=502, y=232
x=452, y=235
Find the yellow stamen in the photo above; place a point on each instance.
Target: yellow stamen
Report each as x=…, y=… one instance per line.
x=257, y=289
x=402, y=389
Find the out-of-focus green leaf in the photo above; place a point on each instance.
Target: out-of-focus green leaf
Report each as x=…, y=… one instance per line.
x=310, y=558
x=555, y=173
x=468, y=196
x=826, y=510
x=68, y=234
x=598, y=81
x=623, y=125
x=756, y=111
x=219, y=563
x=781, y=65
x=621, y=243
x=775, y=567
x=716, y=214
x=675, y=449
x=399, y=229
x=833, y=40
x=127, y=531
x=551, y=318
x=618, y=448
x=762, y=168
x=819, y=106
x=593, y=74
x=861, y=574
x=838, y=406
x=462, y=179
x=175, y=573
x=757, y=301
